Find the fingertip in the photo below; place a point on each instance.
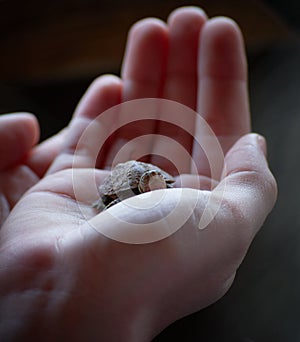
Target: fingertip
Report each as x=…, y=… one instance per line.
x=147, y=26
x=262, y=143
x=257, y=140
x=248, y=188
x=223, y=48
x=19, y=132
x=247, y=154
x=246, y=164
x=104, y=92
x=146, y=50
x=223, y=30
x=107, y=90
x=26, y=127
x=31, y=126
x=226, y=23
x=106, y=80
x=190, y=12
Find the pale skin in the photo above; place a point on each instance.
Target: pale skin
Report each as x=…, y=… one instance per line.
x=61, y=279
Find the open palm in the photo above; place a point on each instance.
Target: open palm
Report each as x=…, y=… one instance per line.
x=131, y=291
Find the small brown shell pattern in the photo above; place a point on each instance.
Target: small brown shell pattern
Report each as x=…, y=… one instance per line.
x=123, y=182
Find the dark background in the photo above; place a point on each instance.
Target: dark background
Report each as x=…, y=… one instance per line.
x=50, y=52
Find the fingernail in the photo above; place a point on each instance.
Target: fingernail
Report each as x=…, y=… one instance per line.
x=262, y=143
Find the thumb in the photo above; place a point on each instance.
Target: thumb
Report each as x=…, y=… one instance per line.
x=250, y=187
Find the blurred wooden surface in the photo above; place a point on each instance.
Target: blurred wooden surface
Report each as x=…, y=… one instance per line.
x=59, y=40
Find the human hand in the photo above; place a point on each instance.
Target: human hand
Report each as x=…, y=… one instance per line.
x=23, y=163
x=132, y=291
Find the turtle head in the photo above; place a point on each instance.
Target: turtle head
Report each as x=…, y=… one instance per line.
x=151, y=180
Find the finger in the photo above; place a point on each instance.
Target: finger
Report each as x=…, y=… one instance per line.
x=250, y=189
x=89, y=107
x=14, y=182
x=184, y=25
x=223, y=80
x=102, y=94
x=18, y=134
x=145, y=59
x=181, y=78
x=43, y=154
x=85, y=129
x=143, y=73
x=223, y=93
x=68, y=194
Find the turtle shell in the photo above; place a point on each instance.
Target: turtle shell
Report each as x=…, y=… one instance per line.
x=124, y=179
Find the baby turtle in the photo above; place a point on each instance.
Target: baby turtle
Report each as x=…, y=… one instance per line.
x=130, y=179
